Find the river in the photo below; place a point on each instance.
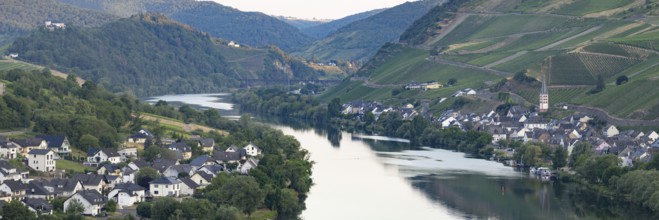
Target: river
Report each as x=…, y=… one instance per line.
x=371, y=177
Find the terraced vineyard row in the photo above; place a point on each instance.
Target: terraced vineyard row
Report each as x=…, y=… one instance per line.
x=606, y=66
x=618, y=49
x=569, y=70
x=556, y=95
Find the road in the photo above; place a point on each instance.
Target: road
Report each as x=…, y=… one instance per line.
x=550, y=46
x=504, y=60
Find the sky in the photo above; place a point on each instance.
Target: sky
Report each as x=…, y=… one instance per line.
x=309, y=9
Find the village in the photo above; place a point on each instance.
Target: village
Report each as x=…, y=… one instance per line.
x=525, y=126
x=28, y=171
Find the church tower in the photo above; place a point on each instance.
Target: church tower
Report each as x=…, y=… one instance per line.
x=544, y=94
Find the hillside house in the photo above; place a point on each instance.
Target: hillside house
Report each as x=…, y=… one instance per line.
x=188, y=186
x=127, y=194
x=58, y=143
x=181, y=169
x=165, y=186
x=9, y=149
x=29, y=144
x=252, y=150
x=42, y=160
x=91, y=181
x=127, y=153
x=16, y=189
x=9, y=172
x=91, y=200
x=37, y=190
x=97, y=156
x=611, y=131
x=202, y=179
x=37, y=205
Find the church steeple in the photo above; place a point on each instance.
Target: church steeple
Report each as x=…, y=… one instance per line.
x=544, y=93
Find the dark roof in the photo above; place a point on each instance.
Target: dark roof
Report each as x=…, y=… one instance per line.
x=141, y=163
x=189, y=182
x=39, y=204
x=39, y=151
x=201, y=160
x=215, y=168
x=182, y=168
x=138, y=135
x=110, y=178
x=29, y=142
x=111, y=152
x=92, y=151
x=205, y=175
x=228, y=156
x=7, y=144
x=54, y=141
x=5, y=165
x=207, y=142
x=130, y=188
x=89, y=179
x=109, y=167
x=37, y=188
x=64, y=185
x=162, y=164
x=15, y=185
x=165, y=180
x=92, y=196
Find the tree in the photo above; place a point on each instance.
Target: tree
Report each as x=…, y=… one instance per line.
x=151, y=153
x=452, y=81
x=16, y=210
x=75, y=207
x=87, y=141
x=580, y=153
x=146, y=175
x=144, y=210
x=111, y=206
x=621, y=79
x=288, y=205
x=369, y=118
x=164, y=208
x=559, y=158
x=228, y=213
x=58, y=203
x=334, y=107
x=600, y=85
x=243, y=192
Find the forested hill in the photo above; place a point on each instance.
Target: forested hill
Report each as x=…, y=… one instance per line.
x=250, y=28
x=361, y=39
x=150, y=55
x=18, y=17
x=322, y=30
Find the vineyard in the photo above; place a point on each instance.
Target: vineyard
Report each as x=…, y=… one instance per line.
x=606, y=66
x=646, y=40
x=556, y=95
x=569, y=70
x=617, y=49
x=584, y=7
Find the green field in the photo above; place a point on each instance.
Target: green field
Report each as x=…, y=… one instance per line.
x=8, y=65
x=556, y=95
x=583, y=7
x=608, y=48
x=488, y=26
x=63, y=164
x=530, y=60
x=635, y=99
x=649, y=40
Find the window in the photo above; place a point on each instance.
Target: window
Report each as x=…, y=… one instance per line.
x=167, y=186
x=155, y=192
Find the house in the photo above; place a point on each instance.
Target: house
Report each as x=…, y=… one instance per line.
x=128, y=175
x=14, y=188
x=37, y=205
x=232, y=148
x=214, y=170
x=111, y=181
x=140, y=137
x=91, y=200
x=42, y=160
x=188, y=186
x=31, y=143
x=9, y=149
x=230, y=157
x=611, y=131
x=203, y=160
x=13, y=55
x=127, y=194
x=207, y=144
x=252, y=150
x=138, y=164
x=249, y=164
x=536, y=122
x=37, y=190
x=202, y=179
x=176, y=170
x=161, y=165
x=108, y=168
x=58, y=143
x=97, y=156
x=127, y=153
x=91, y=181
x=165, y=186
x=63, y=187
x=183, y=148
x=653, y=136
x=9, y=172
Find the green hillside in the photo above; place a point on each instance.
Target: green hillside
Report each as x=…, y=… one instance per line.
x=250, y=28
x=19, y=17
x=322, y=30
x=478, y=42
x=150, y=55
x=361, y=39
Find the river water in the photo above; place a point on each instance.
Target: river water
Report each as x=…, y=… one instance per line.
x=371, y=177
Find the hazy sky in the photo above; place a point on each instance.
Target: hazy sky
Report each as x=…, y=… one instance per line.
x=320, y=9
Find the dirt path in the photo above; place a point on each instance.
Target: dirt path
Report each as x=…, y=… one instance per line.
x=184, y=126
x=455, y=22
x=2, y=88
x=618, y=31
x=552, y=45
x=469, y=66
x=509, y=58
x=610, y=12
